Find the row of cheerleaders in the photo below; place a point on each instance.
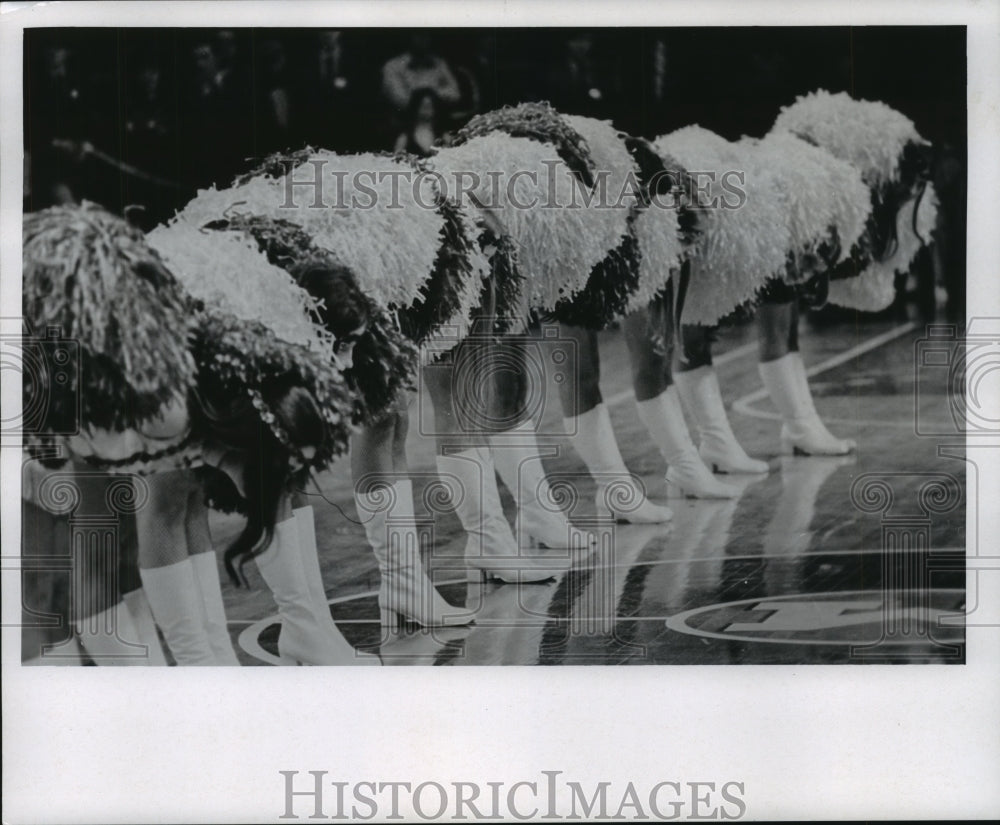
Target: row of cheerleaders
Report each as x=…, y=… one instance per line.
x=229, y=355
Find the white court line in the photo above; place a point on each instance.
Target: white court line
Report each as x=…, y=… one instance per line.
x=743, y=405
x=725, y=358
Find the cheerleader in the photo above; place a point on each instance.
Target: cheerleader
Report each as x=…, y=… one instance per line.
x=593, y=280
x=277, y=407
x=91, y=276
x=891, y=158
x=423, y=265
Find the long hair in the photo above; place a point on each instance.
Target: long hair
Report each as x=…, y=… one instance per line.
x=266, y=469
x=344, y=307
x=914, y=173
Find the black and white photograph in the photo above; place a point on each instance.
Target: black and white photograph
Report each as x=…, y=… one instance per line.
x=494, y=339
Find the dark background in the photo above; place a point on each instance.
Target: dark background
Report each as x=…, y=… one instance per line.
x=133, y=94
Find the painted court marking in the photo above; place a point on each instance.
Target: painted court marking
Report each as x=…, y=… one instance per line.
x=744, y=405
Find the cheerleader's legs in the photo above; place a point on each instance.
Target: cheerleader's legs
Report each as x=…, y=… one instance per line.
x=620, y=495
x=649, y=336
x=467, y=468
x=169, y=577
x=784, y=376
x=290, y=569
x=547, y=541
x=109, y=611
x=698, y=386
x=206, y=570
x=383, y=494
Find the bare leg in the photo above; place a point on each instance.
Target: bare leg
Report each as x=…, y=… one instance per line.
x=620, y=495
x=168, y=575
x=784, y=375
x=698, y=386
x=650, y=336
x=383, y=490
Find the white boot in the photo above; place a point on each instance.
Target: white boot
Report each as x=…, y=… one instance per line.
x=112, y=638
x=305, y=519
x=145, y=624
x=406, y=591
x=538, y=525
x=175, y=599
x=309, y=557
x=206, y=571
x=620, y=495
x=305, y=639
x=802, y=431
x=719, y=449
x=491, y=551
x=687, y=474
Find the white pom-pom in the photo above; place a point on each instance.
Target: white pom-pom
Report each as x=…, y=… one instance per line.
x=868, y=134
x=874, y=288
x=745, y=233
x=559, y=238
x=226, y=270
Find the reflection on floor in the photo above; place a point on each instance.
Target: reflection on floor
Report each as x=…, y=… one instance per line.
x=827, y=560
x=803, y=567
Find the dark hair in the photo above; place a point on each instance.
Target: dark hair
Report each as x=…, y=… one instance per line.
x=267, y=471
x=417, y=97
x=914, y=173
x=345, y=308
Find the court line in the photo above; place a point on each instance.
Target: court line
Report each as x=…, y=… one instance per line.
x=725, y=358
x=743, y=405
x=850, y=551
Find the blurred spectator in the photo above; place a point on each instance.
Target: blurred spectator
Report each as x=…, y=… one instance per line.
x=57, y=123
x=575, y=83
x=334, y=99
x=949, y=178
x=418, y=68
x=423, y=125
x=148, y=144
x=218, y=124
x=476, y=81
x=273, y=103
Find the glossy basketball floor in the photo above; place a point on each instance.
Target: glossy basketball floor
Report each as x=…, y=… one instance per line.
x=825, y=560
x=793, y=571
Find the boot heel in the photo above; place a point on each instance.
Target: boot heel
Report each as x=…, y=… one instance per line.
x=477, y=575
x=390, y=619
x=674, y=491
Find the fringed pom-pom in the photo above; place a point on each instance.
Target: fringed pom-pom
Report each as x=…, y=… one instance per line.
x=663, y=243
x=617, y=186
x=93, y=278
x=868, y=134
x=874, y=288
x=559, y=239
x=384, y=364
x=826, y=197
x=538, y=122
x=443, y=313
x=227, y=271
x=370, y=210
x=241, y=359
x=744, y=237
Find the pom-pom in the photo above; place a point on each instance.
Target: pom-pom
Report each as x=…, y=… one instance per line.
x=237, y=358
x=559, y=240
x=94, y=278
x=868, y=134
x=825, y=197
x=227, y=271
x=874, y=288
x=539, y=122
x=744, y=237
